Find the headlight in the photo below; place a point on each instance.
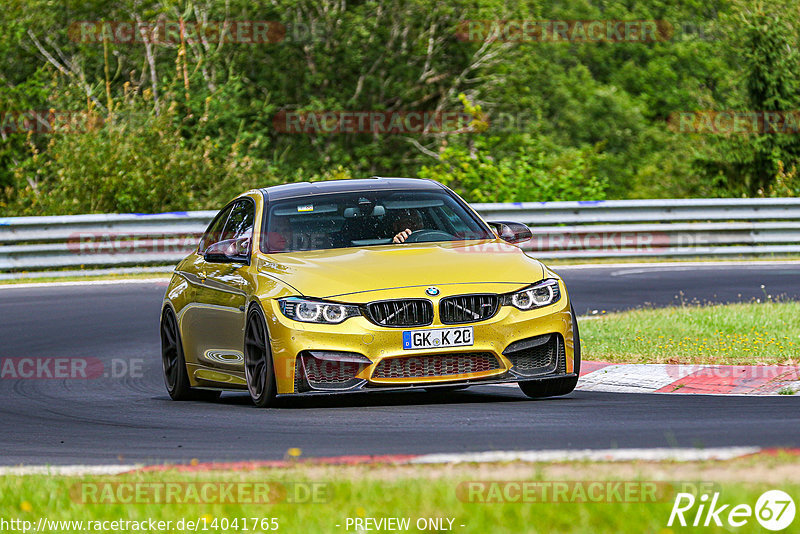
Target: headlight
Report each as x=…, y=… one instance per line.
x=540, y=294
x=315, y=311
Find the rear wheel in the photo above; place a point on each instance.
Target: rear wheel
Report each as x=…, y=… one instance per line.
x=174, y=364
x=258, y=366
x=555, y=387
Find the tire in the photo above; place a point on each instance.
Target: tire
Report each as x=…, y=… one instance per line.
x=173, y=364
x=259, y=369
x=556, y=387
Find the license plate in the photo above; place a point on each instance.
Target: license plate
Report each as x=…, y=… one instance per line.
x=438, y=338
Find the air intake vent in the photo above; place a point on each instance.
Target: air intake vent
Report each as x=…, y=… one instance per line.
x=409, y=312
x=426, y=366
x=328, y=370
x=467, y=308
x=538, y=355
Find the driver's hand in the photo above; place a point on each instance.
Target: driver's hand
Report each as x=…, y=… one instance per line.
x=402, y=236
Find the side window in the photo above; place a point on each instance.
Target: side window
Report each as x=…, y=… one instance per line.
x=214, y=231
x=240, y=223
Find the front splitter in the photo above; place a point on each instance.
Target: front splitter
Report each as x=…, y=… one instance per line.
x=374, y=388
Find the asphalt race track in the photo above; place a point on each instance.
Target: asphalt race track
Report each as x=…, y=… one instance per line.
x=620, y=288
x=131, y=419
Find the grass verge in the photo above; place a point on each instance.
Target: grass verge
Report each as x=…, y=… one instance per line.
x=310, y=499
x=760, y=333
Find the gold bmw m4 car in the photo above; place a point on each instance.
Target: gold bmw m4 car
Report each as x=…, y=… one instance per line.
x=363, y=285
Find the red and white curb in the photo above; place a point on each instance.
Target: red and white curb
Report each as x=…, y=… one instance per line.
x=591, y=455
x=588, y=455
x=704, y=379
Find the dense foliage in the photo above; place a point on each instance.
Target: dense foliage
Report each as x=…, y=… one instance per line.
x=185, y=123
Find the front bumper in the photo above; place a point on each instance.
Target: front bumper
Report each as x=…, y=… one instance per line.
x=290, y=339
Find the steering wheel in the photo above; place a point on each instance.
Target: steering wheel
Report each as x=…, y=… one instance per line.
x=419, y=236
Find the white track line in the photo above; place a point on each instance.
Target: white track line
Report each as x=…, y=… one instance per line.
x=586, y=455
x=67, y=470
x=655, y=265
x=599, y=455
x=78, y=283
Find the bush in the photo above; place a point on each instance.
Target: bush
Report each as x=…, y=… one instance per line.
x=529, y=175
x=137, y=163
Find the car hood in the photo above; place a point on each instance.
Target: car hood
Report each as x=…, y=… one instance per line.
x=347, y=271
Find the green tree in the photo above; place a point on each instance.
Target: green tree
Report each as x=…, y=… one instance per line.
x=764, y=46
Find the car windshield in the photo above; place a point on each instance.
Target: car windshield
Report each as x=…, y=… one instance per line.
x=367, y=218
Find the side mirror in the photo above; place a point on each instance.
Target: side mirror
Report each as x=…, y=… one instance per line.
x=229, y=251
x=512, y=232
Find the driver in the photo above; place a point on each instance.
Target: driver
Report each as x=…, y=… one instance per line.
x=279, y=237
x=408, y=221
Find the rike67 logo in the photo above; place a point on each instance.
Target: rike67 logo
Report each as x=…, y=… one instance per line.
x=774, y=510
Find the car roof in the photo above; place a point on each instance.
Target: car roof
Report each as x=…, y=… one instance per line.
x=376, y=183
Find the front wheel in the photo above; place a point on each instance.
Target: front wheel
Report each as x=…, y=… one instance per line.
x=258, y=366
x=174, y=364
x=556, y=387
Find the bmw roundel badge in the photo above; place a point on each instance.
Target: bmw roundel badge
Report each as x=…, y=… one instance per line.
x=432, y=291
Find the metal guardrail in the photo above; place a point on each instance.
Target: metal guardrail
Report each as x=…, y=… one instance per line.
x=657, y=228
x=561, y=230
